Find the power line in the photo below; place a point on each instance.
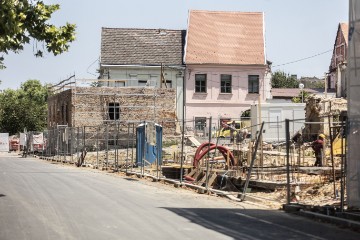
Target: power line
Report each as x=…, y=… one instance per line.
x=302, y=59
x=87, y=70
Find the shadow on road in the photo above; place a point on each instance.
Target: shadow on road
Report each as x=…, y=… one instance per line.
x=262, y=224
x=131, y=179
x=2, y=195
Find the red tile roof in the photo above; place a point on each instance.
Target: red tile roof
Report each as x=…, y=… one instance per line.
x=225, y=38
x=345, y=31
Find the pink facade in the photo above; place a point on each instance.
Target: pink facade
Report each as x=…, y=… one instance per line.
x=217, y=104
x=226, y=67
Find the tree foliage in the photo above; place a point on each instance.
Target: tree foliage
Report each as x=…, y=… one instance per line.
x=23, y=20
x=314, y=84
x=302, y=97
x=24, y=108
x=282, y=80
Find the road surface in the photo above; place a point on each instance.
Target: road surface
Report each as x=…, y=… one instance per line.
x=40, y=200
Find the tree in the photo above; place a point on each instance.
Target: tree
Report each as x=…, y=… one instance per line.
x=22, y=20
x=282, y=80
x=24, y=108
x=301, y=97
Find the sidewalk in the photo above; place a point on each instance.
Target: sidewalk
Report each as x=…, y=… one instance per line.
x=343, y=219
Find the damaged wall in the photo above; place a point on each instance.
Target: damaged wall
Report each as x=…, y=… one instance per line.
x=93, y=106
x=317, y=111
x=60, y=109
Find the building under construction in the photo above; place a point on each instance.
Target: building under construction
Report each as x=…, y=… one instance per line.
x=78, y=106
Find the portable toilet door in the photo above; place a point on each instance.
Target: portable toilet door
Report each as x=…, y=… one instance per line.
x=148, y=144
x=140, y=144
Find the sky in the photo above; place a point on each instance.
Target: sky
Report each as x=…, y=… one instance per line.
x=293, y=30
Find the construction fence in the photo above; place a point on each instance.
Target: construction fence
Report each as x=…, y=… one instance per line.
x=272, y=155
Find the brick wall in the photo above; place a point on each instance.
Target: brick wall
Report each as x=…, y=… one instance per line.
x=89, y=106
x=60, y=109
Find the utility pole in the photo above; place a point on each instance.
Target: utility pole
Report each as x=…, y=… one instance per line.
x=261, y=138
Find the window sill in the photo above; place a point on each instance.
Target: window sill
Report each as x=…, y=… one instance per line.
x=200, y=93
x=225, y=93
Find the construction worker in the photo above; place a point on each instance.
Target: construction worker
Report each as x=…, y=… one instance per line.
x=318, y=146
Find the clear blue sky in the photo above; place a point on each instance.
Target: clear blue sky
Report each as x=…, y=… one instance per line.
x=295, y=29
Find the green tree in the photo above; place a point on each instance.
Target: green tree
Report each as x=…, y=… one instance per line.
x=23, y=20
x=282, y=80
x=24, y=108
x=301, y=97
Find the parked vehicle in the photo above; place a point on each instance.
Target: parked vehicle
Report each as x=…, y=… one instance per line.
x=13, y=144
x=225, y=129
x=38, y=148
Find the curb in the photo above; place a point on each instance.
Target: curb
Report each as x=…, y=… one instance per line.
x=330, y=219
x=199, y=189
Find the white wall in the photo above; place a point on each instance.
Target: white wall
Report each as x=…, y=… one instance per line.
x=129, y=76
x=274, y=115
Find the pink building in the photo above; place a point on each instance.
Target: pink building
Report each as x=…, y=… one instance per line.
x=226, y=67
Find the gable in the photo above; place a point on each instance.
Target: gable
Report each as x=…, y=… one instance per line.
x=340, y=46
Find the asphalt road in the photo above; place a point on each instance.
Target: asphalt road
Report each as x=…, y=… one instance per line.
x=40, y=200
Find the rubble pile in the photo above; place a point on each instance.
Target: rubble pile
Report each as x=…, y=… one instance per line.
x=318, y=194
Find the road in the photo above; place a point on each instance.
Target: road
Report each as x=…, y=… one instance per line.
x=40, y=200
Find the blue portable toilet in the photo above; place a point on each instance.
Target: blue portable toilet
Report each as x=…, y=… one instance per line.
x=148, y=150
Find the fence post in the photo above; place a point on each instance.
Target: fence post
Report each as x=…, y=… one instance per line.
x=71, y=145
x=182, y=149
x=106, y=145
x=77, y=143
x=117, y=147
x=142, y=169
x=127, y=149
x=343, y=165
x=253, y=157
x=84, y=146
x=287, y=129
x=208, y=159
x=132, y=144
x=97, y=147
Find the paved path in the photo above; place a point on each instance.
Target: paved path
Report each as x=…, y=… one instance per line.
x=40, y=200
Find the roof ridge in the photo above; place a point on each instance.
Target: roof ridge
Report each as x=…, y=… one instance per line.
x=215, y=12
x=166, y=29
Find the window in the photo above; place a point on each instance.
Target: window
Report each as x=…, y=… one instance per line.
x=200, y=123
x=253, y=83
x=142, y=83
x=114, y=111
x=169, y=83
x=225, y=83
x=119, y=84
x=200, y=83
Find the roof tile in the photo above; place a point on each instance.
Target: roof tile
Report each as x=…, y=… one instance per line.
x=225, y=38
x=127, y=46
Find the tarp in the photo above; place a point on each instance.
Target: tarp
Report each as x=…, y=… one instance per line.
x=38, y=139
x=4, y=142
x=22, y=139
